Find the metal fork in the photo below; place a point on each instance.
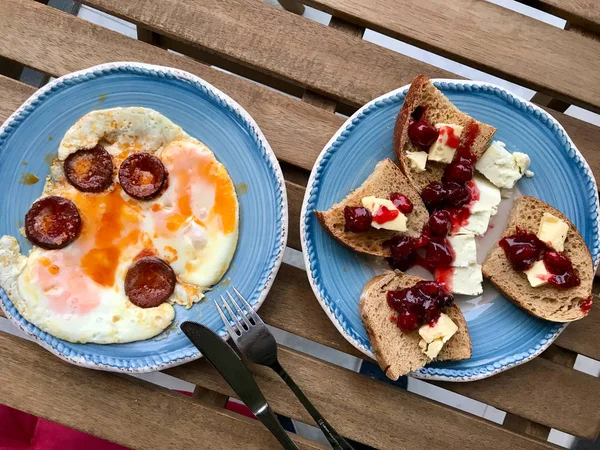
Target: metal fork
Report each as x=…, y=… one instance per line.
x=257, y=344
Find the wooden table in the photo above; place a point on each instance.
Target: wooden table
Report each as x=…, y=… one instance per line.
x=316, y=71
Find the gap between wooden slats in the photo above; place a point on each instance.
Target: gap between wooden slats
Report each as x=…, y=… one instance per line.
x=584, y=13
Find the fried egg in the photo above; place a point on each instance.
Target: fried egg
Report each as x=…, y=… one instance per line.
x=77, y=293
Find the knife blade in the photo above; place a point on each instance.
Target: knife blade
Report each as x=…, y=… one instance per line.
x=226, y=361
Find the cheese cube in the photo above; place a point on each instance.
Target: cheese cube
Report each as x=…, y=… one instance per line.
x=374, y=203
x=465, y=250
x=477, y=225
x=489, y=196
x=501, y=167
x=467, y=280
x=417, y=160
x=537, y=274
x=443, y=149
x=553, y=231
x=434, y=337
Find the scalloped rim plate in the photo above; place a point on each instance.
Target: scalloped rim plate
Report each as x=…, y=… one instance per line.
x=433, y=373
x=156, y=362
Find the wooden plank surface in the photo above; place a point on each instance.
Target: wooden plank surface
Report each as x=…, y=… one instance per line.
x=316, y=57
x=583, y=12
x=118, y=408
x=364, y=409
x=296, y=131
x=57, y=43
x=488, y=37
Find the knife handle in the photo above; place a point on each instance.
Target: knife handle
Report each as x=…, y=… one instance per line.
x=270, y=421
x=336, y=441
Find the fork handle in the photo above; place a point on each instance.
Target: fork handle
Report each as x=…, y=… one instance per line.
x=336, y=441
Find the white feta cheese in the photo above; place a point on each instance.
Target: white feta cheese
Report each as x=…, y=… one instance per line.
x=553, y=231
x=373, y=204
x=477, y=224
x=467, y=280
x=440, y=150
x=501, y=167
x=434, y=337
x=489, y=196
x=537, y=274
x=465, y=250
x=417, y=160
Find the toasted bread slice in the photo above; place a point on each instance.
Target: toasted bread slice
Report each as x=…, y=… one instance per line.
x=386, y=179
x=546, y=302
x=439, y=109
x=398, y=353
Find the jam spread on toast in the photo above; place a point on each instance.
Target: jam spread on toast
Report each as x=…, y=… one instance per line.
x=524, y=248
x=418, y=305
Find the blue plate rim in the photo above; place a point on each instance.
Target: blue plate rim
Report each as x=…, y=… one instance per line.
x=433, y=373
x=161, y=72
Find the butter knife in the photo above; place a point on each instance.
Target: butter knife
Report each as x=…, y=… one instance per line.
x=223, y=358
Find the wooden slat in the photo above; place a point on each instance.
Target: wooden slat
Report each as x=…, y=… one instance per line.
x=583, y=336
x=296, y=131
x=363, y=409
x=57, y=43
x=121, y=409
x=316, y=57
x=488, y=37
x=293, y=6
x=583, y=12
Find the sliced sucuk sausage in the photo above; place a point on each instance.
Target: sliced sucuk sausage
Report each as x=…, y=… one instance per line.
x=142, y=176
x=89, y=170
x=149, y=282
x=52, y=222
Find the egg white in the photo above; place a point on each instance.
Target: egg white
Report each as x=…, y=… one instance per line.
x=77, y=305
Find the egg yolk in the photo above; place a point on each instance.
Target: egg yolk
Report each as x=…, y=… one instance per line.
x=112, y=226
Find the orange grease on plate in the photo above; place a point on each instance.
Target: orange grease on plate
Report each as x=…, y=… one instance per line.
x=28, y=179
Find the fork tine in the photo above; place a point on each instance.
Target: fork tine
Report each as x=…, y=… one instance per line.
x=233, y=316
x=249, y=308
x=239, y=310
x=232, y=332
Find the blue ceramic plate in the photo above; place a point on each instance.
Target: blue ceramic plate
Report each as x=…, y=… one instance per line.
x=32, y=135
x=503, y=335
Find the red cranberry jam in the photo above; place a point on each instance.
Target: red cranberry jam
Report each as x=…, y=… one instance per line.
x=402, y=250
x=421, y=133
x=402, y=202
x=561, y=268
x=383, y=215
x=440, y=223
x=419, y=305
x=357, y=219
x=524, y=248
x=586, y=305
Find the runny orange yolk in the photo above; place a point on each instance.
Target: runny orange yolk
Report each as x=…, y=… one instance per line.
x=111, y=223
x=104, y=217
x=186, y=166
